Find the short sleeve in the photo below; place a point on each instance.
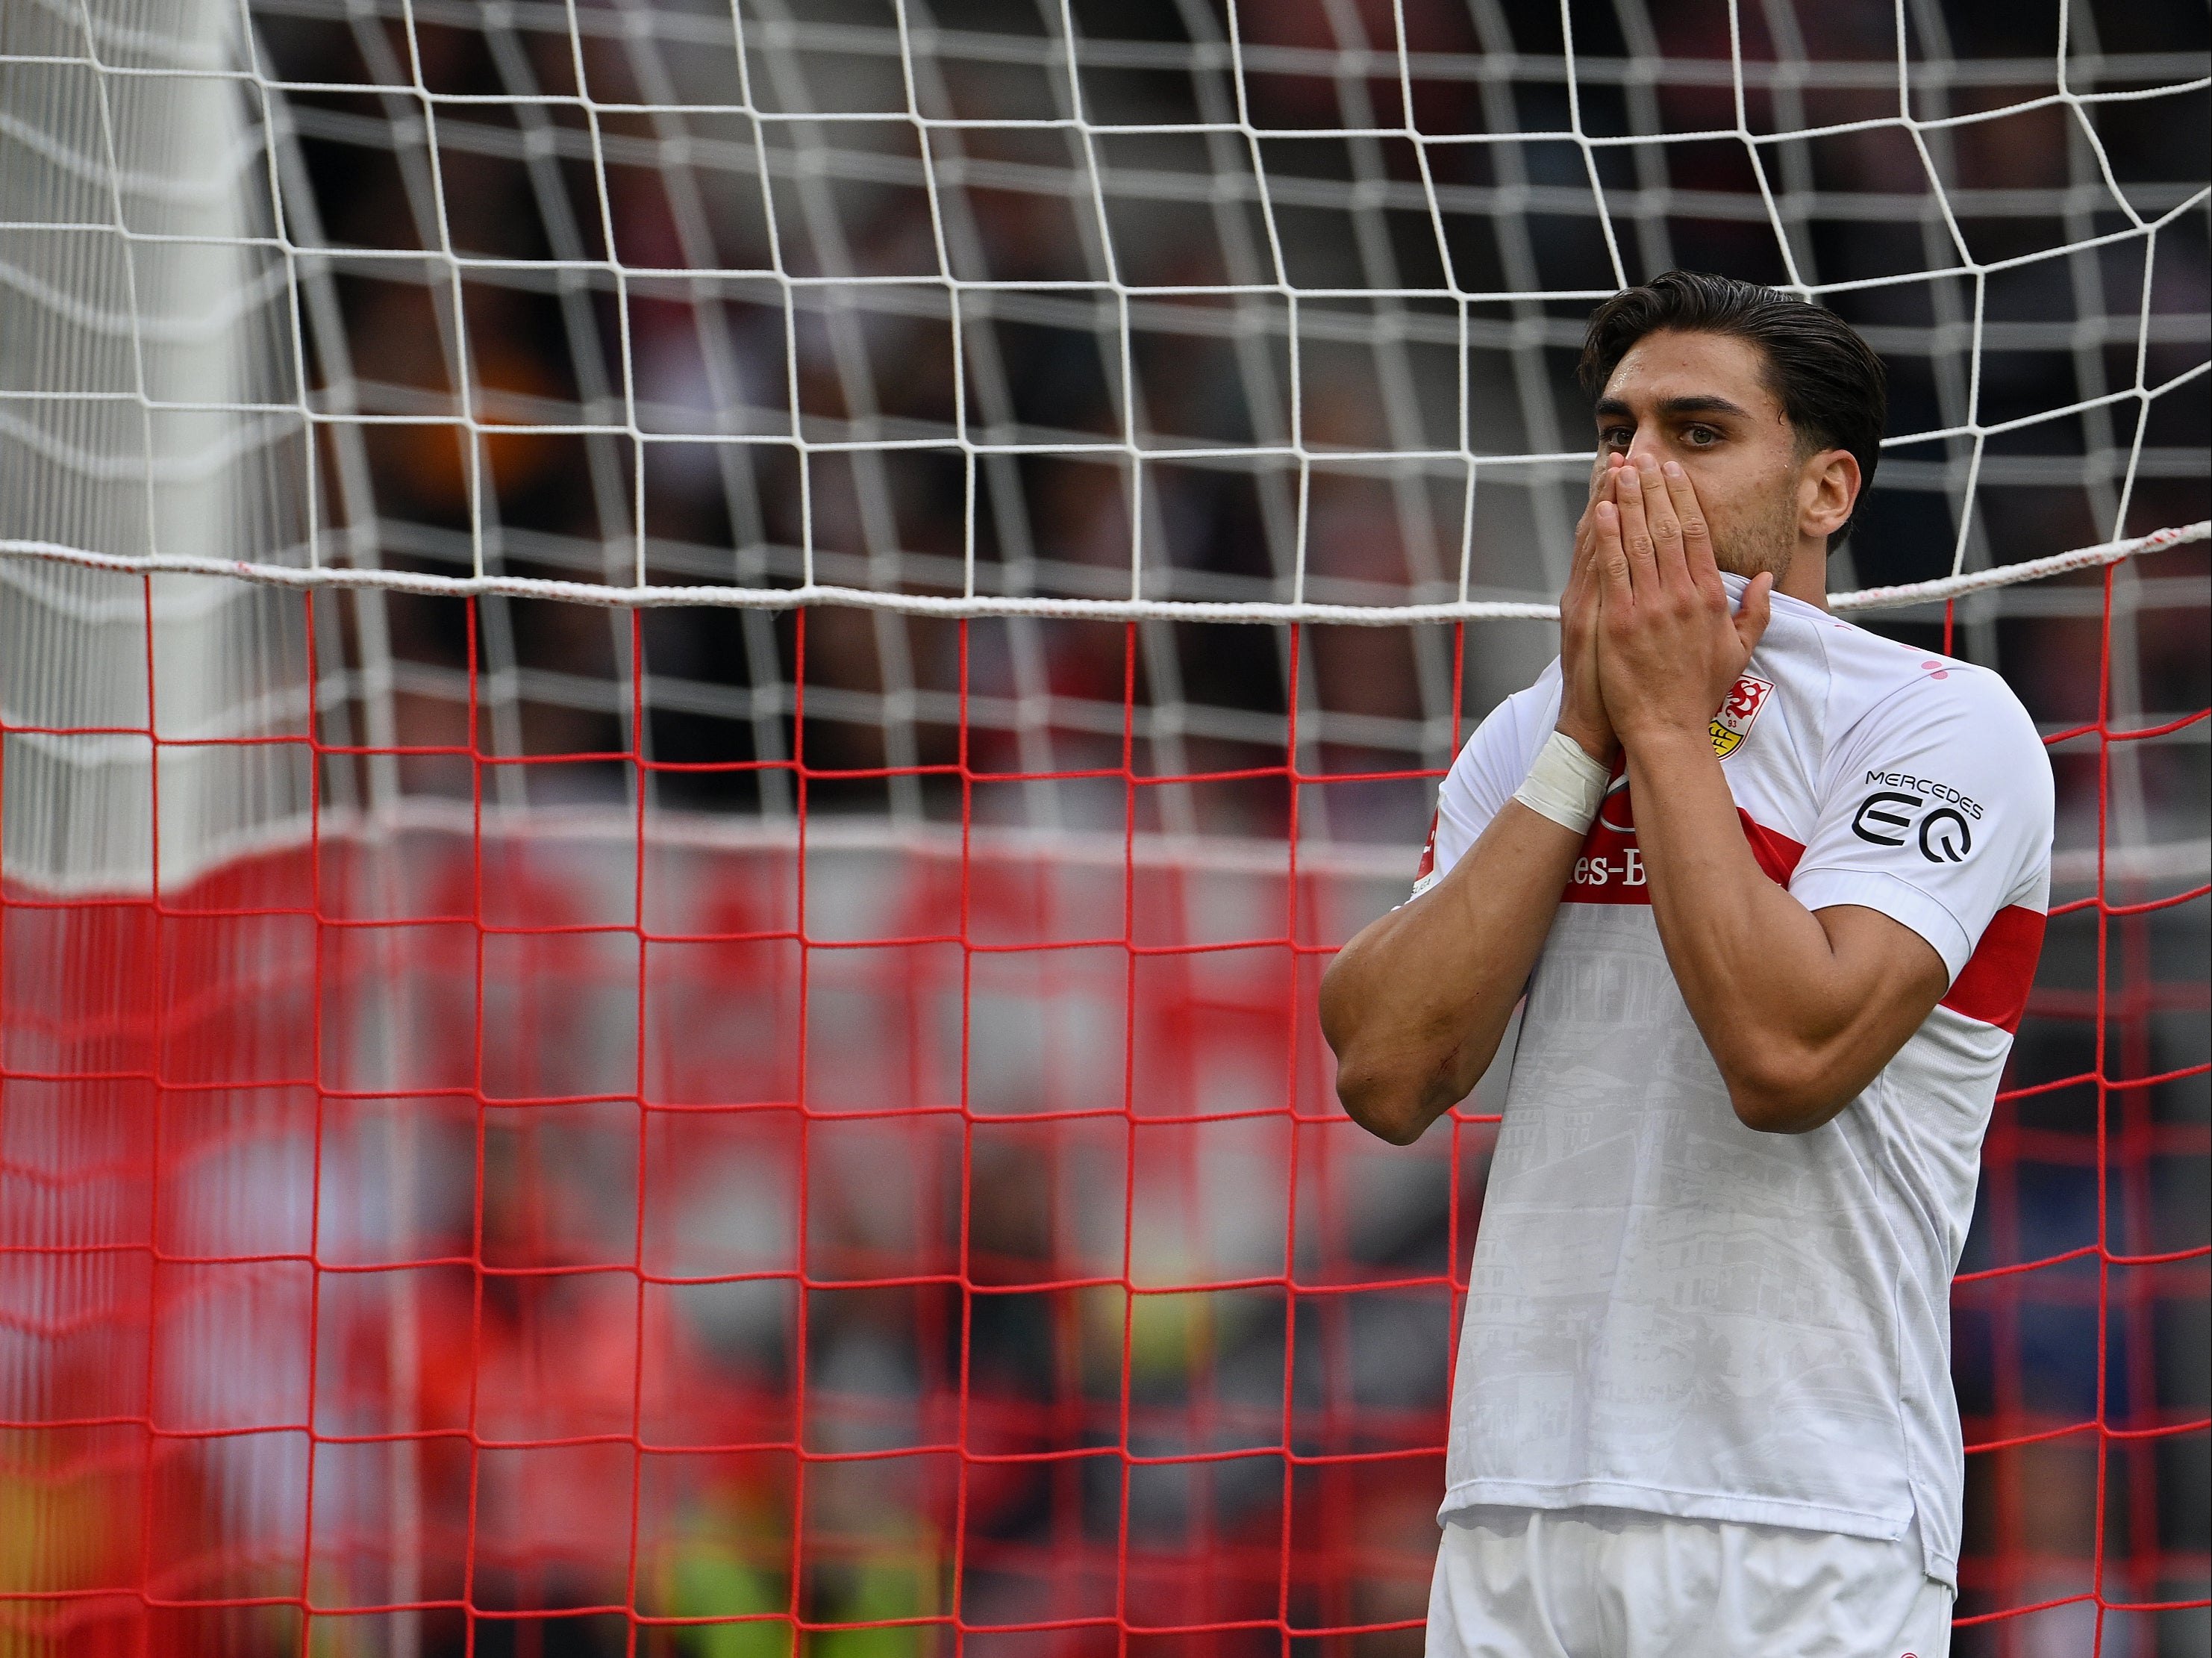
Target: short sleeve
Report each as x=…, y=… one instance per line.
x=1493, y=764
x=1935, y=810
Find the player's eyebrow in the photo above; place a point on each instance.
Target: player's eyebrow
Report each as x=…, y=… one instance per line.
x=1611, y=408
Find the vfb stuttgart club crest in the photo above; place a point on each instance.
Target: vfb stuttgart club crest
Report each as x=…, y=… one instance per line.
x=1733, y=723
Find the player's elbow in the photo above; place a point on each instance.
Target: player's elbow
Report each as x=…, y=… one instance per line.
x=1397, y=1070
x=1381, y=1090
x=1783, y=1091
x=1388, y=1107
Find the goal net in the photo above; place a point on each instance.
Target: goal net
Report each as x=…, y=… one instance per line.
x=691, y=692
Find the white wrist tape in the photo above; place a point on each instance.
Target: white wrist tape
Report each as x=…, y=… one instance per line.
x=1564, y=784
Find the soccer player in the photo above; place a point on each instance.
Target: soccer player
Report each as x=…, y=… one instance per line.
x=1774, y=888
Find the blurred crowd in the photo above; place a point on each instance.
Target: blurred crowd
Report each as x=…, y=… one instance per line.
x=1097, y=340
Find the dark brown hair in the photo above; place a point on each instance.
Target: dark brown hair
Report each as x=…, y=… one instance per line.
x=1830, y=383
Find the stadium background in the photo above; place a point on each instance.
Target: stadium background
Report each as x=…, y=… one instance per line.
x=498, y=1179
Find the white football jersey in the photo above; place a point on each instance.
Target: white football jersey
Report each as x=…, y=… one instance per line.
x=1672, y=1312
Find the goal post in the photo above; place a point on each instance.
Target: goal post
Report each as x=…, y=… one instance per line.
x=688, y=695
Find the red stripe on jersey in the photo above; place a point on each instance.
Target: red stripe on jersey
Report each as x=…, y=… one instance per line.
x=1610, y=868
x=1776, y=853
x=1993, y=985
x=1429, y=851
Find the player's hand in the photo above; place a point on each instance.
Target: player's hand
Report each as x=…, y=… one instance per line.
x=1581, y=704
x=1669, y=648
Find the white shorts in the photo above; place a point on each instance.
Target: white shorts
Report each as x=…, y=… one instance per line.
x=1609, y=1583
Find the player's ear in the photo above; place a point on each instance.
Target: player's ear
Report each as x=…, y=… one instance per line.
x=1827, y=489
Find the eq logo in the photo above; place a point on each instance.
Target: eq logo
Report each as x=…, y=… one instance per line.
x=1888, y=818
x=1879, y=813
x=1944, y=838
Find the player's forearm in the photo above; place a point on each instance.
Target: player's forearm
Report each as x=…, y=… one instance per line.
x=1415, y=1004
x=1756, y=968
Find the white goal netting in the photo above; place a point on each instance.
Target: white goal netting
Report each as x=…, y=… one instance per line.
x=1165, y=312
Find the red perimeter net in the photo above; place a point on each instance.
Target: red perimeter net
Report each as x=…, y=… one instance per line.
x=593, y=1232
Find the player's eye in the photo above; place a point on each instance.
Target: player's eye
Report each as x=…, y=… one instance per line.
x=1617, y=437
x=1700, y=438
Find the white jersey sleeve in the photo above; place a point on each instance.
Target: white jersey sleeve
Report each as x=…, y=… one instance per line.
x=1494, y=763
x=1935, y=810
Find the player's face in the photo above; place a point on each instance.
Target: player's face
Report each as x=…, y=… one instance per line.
x=1702, y=400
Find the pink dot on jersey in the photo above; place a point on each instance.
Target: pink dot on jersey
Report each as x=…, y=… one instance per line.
x=1940, y=672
